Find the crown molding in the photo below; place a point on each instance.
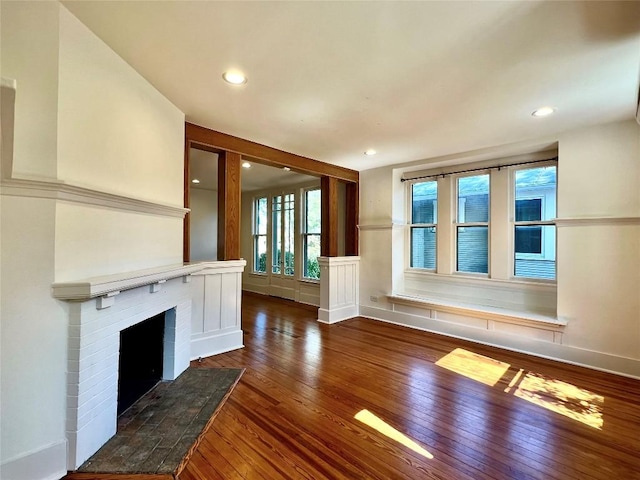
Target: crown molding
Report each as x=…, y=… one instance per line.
x=59, y=190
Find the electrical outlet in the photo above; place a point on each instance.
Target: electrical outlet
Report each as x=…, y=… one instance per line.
x=373, y=298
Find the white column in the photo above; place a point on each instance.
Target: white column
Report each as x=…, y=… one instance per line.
x=339, y=288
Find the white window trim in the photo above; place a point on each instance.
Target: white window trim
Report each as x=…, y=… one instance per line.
x=462, y=224
x=513, y=223
x=304, y=233
x=255, y=235
x=283, y=195
x=410, y=225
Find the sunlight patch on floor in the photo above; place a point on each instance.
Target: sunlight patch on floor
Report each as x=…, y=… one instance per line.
x=554, y=395
x=368, y=418
x=476, y=367
x=563, y=398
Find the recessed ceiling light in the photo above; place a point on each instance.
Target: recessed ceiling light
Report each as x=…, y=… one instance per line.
x=543, y=111
x=234, y=78
x=286, y=169
x=370, y=152
x=195, y=180
x=246, y=165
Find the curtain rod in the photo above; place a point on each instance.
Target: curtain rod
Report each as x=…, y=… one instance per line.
x=479, y=169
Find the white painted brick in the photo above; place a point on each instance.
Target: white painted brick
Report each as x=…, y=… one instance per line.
x=94, y=337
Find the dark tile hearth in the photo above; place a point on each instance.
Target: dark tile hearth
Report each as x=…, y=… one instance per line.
x=158, y=432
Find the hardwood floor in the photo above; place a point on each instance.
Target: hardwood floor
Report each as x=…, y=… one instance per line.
x=293, y=414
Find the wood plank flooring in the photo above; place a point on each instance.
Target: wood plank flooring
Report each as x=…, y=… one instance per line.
x=293, y=414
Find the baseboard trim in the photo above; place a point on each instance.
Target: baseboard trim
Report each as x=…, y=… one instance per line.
x=337, y=314
x=48, y=463
x=216, y=344
x=600, y=361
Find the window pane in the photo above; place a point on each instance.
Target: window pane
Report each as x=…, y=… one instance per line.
x=311, y=254
x=423, y=247
x=261, y=216
x=311, y=239
x=473, y=249
x=312, y=205
x=424, y=201
x=260, y=249
x=528, y=239
x=473, y=199
x=276, y=234
x=289, y=243
x=529, y=210
x=540, y=184
x=535, y=255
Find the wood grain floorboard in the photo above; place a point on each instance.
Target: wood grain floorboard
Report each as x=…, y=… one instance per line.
x=293, y=413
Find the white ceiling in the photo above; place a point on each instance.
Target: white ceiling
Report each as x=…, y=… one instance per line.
x=204, y=167
x=413, y=80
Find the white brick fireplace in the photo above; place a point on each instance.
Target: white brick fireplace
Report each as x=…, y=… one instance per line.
x=100, y=308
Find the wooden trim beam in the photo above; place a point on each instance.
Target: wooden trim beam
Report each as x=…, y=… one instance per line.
x=186, y=229
x=207, y=138
x=352, y=202
x=329, y=217
x=229, y=206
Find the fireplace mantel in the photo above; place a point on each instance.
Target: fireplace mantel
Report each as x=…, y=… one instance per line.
x=109, y=285
x=201, y=303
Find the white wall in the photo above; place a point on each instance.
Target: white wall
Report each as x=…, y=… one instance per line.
x=30, y=55
x=127, y=139
x=83, y=118
x=599, y=259
x=598, y=279
x=33, y=329
x=204, y=224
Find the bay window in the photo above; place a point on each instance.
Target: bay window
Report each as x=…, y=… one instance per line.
x=496, y=221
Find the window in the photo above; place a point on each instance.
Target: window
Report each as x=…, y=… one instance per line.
x=534, y=249
x=282, y=241
x=424, y=220
x=260, y=235
x=472, y=225
x=495, y=221
x=311, y=234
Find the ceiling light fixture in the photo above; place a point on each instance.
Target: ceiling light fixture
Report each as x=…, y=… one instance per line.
x=234, y=78
x=543, y=111
x=370, y=152
x=246, y=165
x=195, y=180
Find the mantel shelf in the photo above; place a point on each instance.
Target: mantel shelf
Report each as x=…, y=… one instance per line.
x=89, y=288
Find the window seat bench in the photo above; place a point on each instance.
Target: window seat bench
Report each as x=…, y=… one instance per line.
x=519, y=317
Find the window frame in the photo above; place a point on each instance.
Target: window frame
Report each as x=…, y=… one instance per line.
x=282, y=211
x=542, y=223
x=411, y=225
x=457, y=224
x=256, y=235
x=304, y=234
x=501, y=229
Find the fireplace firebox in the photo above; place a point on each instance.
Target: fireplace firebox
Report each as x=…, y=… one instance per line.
x=141, y=360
